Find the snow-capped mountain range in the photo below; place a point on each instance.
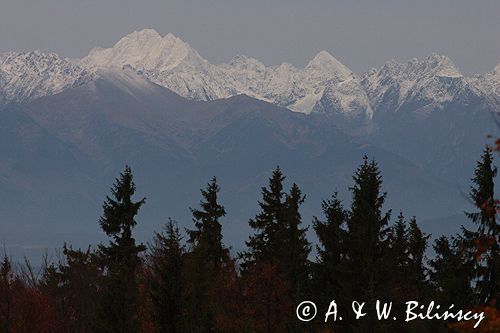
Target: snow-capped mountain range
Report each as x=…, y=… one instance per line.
x=26, y=76
x=324, y=85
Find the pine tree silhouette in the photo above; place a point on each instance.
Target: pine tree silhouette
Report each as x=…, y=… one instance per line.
x=120, y=258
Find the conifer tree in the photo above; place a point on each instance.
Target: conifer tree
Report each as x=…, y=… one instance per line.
x=166, y=280
x=206, y=238
x=396, y=258
x=483, y=244
x=399, y=252
x=296, y=246
x=407, y=252
x=331, y=248
x=64, y=282
x=279, y=238
x=205, y=262
x=367, y=244
x=406, y=275
x=367, y=227
x=280, y=242
x=417, y=245
x=269, y=225
x=329, y=272
x=120, y=258
x=451, y=273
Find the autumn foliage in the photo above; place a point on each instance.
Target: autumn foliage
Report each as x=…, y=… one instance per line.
x=22, y=308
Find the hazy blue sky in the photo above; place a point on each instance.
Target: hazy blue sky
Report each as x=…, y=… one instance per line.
x=361, y=34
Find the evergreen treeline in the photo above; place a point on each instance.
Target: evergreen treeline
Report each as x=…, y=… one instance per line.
x=188, y=281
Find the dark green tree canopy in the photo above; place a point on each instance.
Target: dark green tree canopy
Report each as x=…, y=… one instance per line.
x=166, y=278
x=120, y=259
x=206, y=237
x=331, y=232
x=482, y=194
x=119, y=214
x=269, y=224
x=367, y=224
x=483, y=244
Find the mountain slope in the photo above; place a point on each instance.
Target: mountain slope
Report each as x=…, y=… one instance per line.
x=60, y=154
x=429, y=112
x=488, y=85
x=417, y=85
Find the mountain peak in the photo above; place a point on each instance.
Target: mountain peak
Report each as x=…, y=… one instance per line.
x=442, y=65
x=143, y=50
x=322, y=58
x=433, y=65
x=143, y=34
x=173, y=39
x=146, y=36
x=244, y=62
x=328, y=63
x=239, y=58
x=437, y=57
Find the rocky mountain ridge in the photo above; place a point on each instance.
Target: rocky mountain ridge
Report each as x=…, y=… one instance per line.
x=324, y=85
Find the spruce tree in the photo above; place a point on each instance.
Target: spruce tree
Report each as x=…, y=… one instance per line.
x=483, y=243
x=206, y=261
x=280, y=238
x=63, y=284
x=329, y=273
x=367, y=225
x=451, y=273
x=399, y=252
x=396, y=262
x=120, y=258
x=269, y=225
x=296, y=245
x=166, y=280
x=206, y=238
x=407, y=245
x=279, y=242
x=367, y=244
x=405, y=271
x=417, y=245
x=331, y=231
